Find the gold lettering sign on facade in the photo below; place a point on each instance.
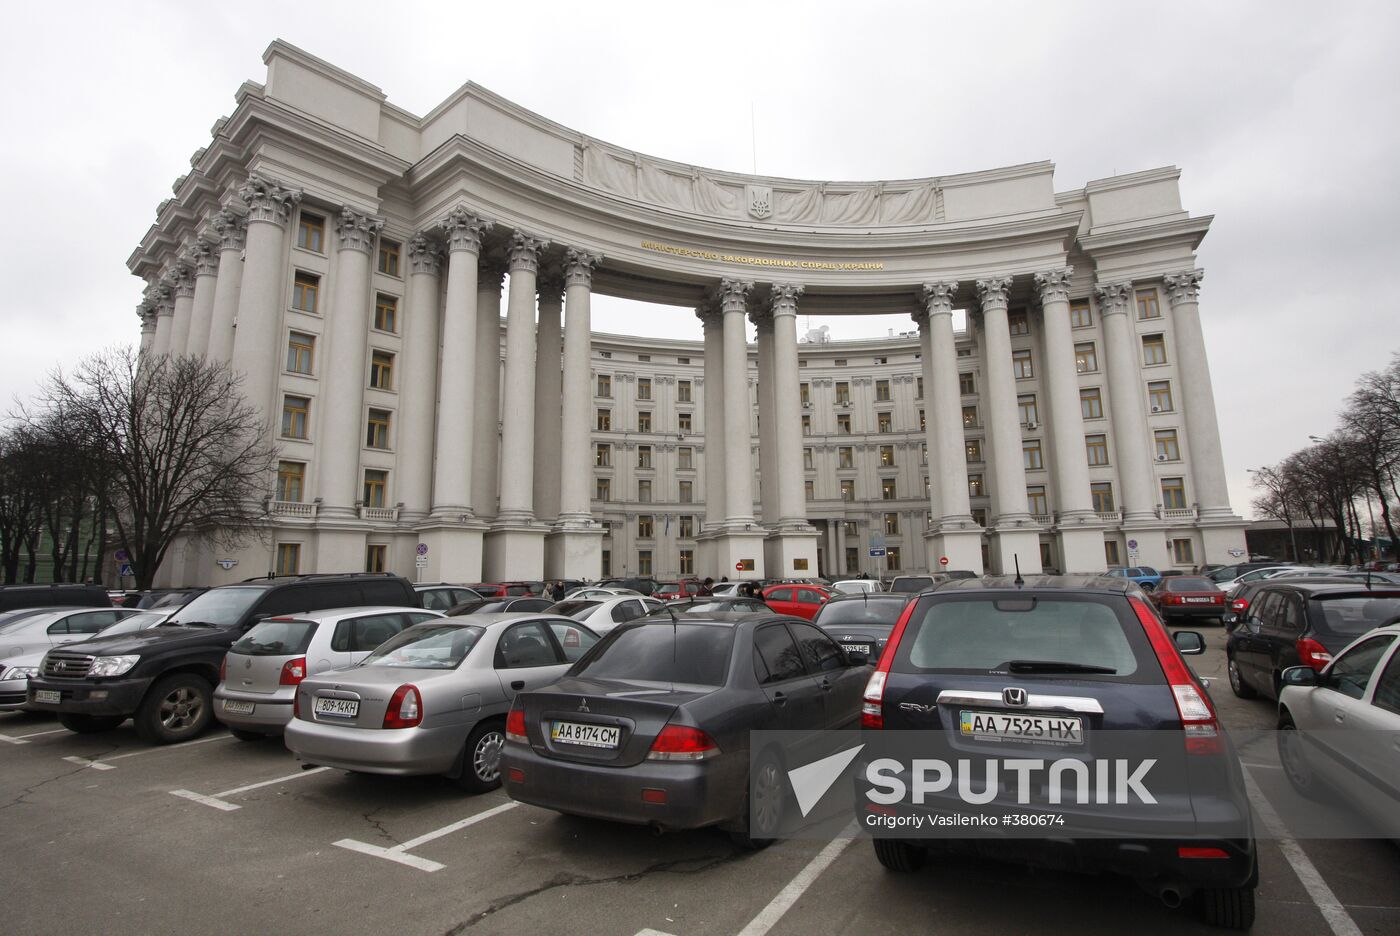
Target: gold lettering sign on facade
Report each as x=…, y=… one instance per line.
x=775, y=262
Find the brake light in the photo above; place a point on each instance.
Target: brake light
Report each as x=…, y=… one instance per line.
x=1189, y=851
x=293, y=672
x=872, y=709
x=515, y=727
x=1313, y=654
x=681, y=742
x=405, y=708
x=1239, y=605
x=1198, y=720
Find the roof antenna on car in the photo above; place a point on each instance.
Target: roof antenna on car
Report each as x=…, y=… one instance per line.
x=1018, y=581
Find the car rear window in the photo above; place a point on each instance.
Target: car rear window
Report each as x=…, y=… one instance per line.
x=1182, y=583
x=860, y=612
x=911, y=584
x=694, y=654
x=276, y=638
x=985, y=634
x=1354, y=615
x=573, y=606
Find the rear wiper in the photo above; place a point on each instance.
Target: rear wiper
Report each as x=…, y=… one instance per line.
x=1052, y=666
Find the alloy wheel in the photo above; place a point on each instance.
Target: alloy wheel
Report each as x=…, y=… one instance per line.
x=181, y=709
x=486, y=757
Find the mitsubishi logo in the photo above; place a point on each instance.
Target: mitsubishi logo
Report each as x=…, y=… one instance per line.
x=248, y=663
x=583, y=705
x=1014, y=695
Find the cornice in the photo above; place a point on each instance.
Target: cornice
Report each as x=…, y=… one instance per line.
x=1190, y=231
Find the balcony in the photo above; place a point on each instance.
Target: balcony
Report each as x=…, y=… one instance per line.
x=1041, y=519
x=300, y=509
x=1111, y=516
x=380, y=514
x=1177, y=513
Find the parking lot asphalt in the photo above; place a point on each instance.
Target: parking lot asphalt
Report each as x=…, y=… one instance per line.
x=105, y=834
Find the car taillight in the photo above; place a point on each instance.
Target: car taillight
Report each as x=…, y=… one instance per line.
x=681, y=742
x=1198, y=720
x=405, y=708
x=515, y=727
x=872, y=709
x=293, y=672
x=1313, y=654
x=1239, y=605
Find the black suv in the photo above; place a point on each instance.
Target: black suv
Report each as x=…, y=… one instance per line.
x=14, y=597
x=1071, y=668
x=164, y=677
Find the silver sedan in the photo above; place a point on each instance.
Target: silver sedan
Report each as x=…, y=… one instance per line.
x=434, y=698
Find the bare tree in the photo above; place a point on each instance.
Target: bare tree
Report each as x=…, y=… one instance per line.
x=20, y=504
x=185, y=455
x=1282, y=498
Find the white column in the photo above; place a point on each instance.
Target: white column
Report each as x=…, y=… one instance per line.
x=1198, y=398
x=549, y=407
x=787, y=408
x=738, y=462
x=417, y=378
x=486, y=452
x=768, y=472
x=1135, y=475
x=518, y=423
x=715, y=498
x=263, y=291
x=205, y=258
x=148, y=327
x=456, y=417
x=231, y=229
x=183, y=283
x=164, y=307
x=576, y=455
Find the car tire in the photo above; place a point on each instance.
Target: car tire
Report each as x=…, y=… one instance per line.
x=89, y=724
x=1227, y=907
x=178, y=708
x=765, y=795
x=899, y=855
x=1294, y=758
x=1237, y=683
x=243, y=734
x=481, y=757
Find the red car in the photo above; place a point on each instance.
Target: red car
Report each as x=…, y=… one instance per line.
x=802, y=601
x=507, y=589
x=685, y=588
x=1188, y=596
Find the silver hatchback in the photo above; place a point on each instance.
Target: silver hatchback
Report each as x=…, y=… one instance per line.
x=261, y=671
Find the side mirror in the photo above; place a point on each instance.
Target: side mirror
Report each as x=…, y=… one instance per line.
x=1189, y=642
x=1300, y=676
x=857, y=658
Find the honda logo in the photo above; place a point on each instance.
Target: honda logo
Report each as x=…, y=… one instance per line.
x=1013, y=695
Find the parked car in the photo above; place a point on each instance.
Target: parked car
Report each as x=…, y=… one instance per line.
x=1301, y=622
x=261, y=671
x=14, y=597
x=644, y=586
x=712, y=604
x=1085, y=649
x=1188, y=596
x=507, y=589
x=863, y=622
x=167, y=597
x=1231, y=585
x=798, y=600
x=500, y=605
x=725, y=589
x=1224, y=573
x=603, y=614
x=684, y=588
x=855, y=586
x=52, y=627
x=433, y=699
x=164, y=678
x=16, y=670
x=1331, y=725
x=912, y=583
x=669, y=707
x=598, y=591
x=441, y=596
x=1146, y=576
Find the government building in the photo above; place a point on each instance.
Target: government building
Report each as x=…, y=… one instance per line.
x=408, y=299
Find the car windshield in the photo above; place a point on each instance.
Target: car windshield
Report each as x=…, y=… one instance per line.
x=221, y=607
x=427, y=646
x=573, y=606
x=881, y=611
x=693, y=654
x=276, y=637
x=1354, y=615
x=1186, y=583
x=133, y=623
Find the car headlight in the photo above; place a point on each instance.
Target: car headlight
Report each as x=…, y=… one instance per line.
x=112, y=665
x=18, y=672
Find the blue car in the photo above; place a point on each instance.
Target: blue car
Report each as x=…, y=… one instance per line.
x=1146, y=576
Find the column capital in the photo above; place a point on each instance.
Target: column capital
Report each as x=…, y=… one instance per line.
x=993, y=293
x=146, y=312
x=464, y=230
x=1113, y=297
x=578, y=267
x=159, y=299
x=938, y=298
x=181, y=280
x=231, y=227
x=424, y=255
x=1053, y=285
x=267, y=200
x=525, y=252
x=204, y=256
x=1184, y=287
x=733, y=295
x=783, y=298
x=710, y=317
x=357, y=230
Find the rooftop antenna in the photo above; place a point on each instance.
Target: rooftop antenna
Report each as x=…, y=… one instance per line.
x=1018, y=581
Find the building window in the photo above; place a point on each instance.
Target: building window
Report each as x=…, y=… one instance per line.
x=602, y=455
x=1096, y=448
x=979, y=516
x=646, y=526
x=805, y=394
x=375, y=483
x=923, y=453
x=882, y=360
x=1026, y=409
x=644, y=491
x=967, y=384
x=975, y=488
x=682, y=391
x=306, y=290
x=806, y=424
x=386, y=313
x=969, y=414
x=377, y=429
x=845, y=457
x=848, y=491
x=376, y=557
x=687, y=562
x=850, y=527
x=682, y=360
x=301, y=349
x=1101, y=493
x=807, y=462
x=1147, y=305
x=389, y=256
x=892, y=559
x=682, y=422
x=1154, y=349
x=1091, y=403
x=687, y=492
x=644, y=456
x=311, y=232
x=1079, y=314
x=644, y=388
x=602, y=489
x=1035, y=500
x=1173, y=494
x=1167, y=448
x=891, y=524
x=1021, y=364
x=839, y=362
x=605, y=355
x=1182, y=553
x=1086, y=357
x=887, y=489
x=381, y=370
x=644, y=421
x=884, y=422
x=686, y=527
x=974, y=450
x=1030, y=455
x=294, y=416
x=843, y=423
x=1110, y=553
x=882, y=391
x=644, y=562
x=923, y=426
x=291, y=479
x=607, y=562
x=843, y=393
x=1018, y=323
x=1159, y=395
x=810, y=490
x=604, y=423
x=886, y=456
x=918, y=388
x=685, y=458
x=852, y=559
x=288, y=558
x=605, y=386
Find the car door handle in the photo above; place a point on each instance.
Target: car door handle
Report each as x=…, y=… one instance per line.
x=1339, y=716
x=779, y=699
x=518, y=684
x=826, y=685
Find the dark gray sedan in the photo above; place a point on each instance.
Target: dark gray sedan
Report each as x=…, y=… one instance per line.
x=652, y=726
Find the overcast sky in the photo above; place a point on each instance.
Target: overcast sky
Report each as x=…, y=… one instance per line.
x=1281, y=116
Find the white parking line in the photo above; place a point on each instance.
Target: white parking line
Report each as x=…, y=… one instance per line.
x=1327, y=903
x=24, y=738
x=104, y=765
x=769, y=916
x=398, y=852
x=218, y=801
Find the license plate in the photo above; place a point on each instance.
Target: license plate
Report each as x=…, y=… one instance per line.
x=1001, y=726
x=857, y=648
x=599, y=736
x=1200, y=600
x=48, y=696
x=238, y=708
x=338, y=708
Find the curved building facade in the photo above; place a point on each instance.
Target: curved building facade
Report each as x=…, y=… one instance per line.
x=408, y=299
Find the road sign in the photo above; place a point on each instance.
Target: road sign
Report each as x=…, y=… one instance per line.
x=122, y=556
x=877, y=552
x=226, y=564
x=125, y=570
x=422, y=549
x=1132, y=544
x=1236, y=553
x=877, y=539
x=739, y=566
x=420, y=562
x=942, y=560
